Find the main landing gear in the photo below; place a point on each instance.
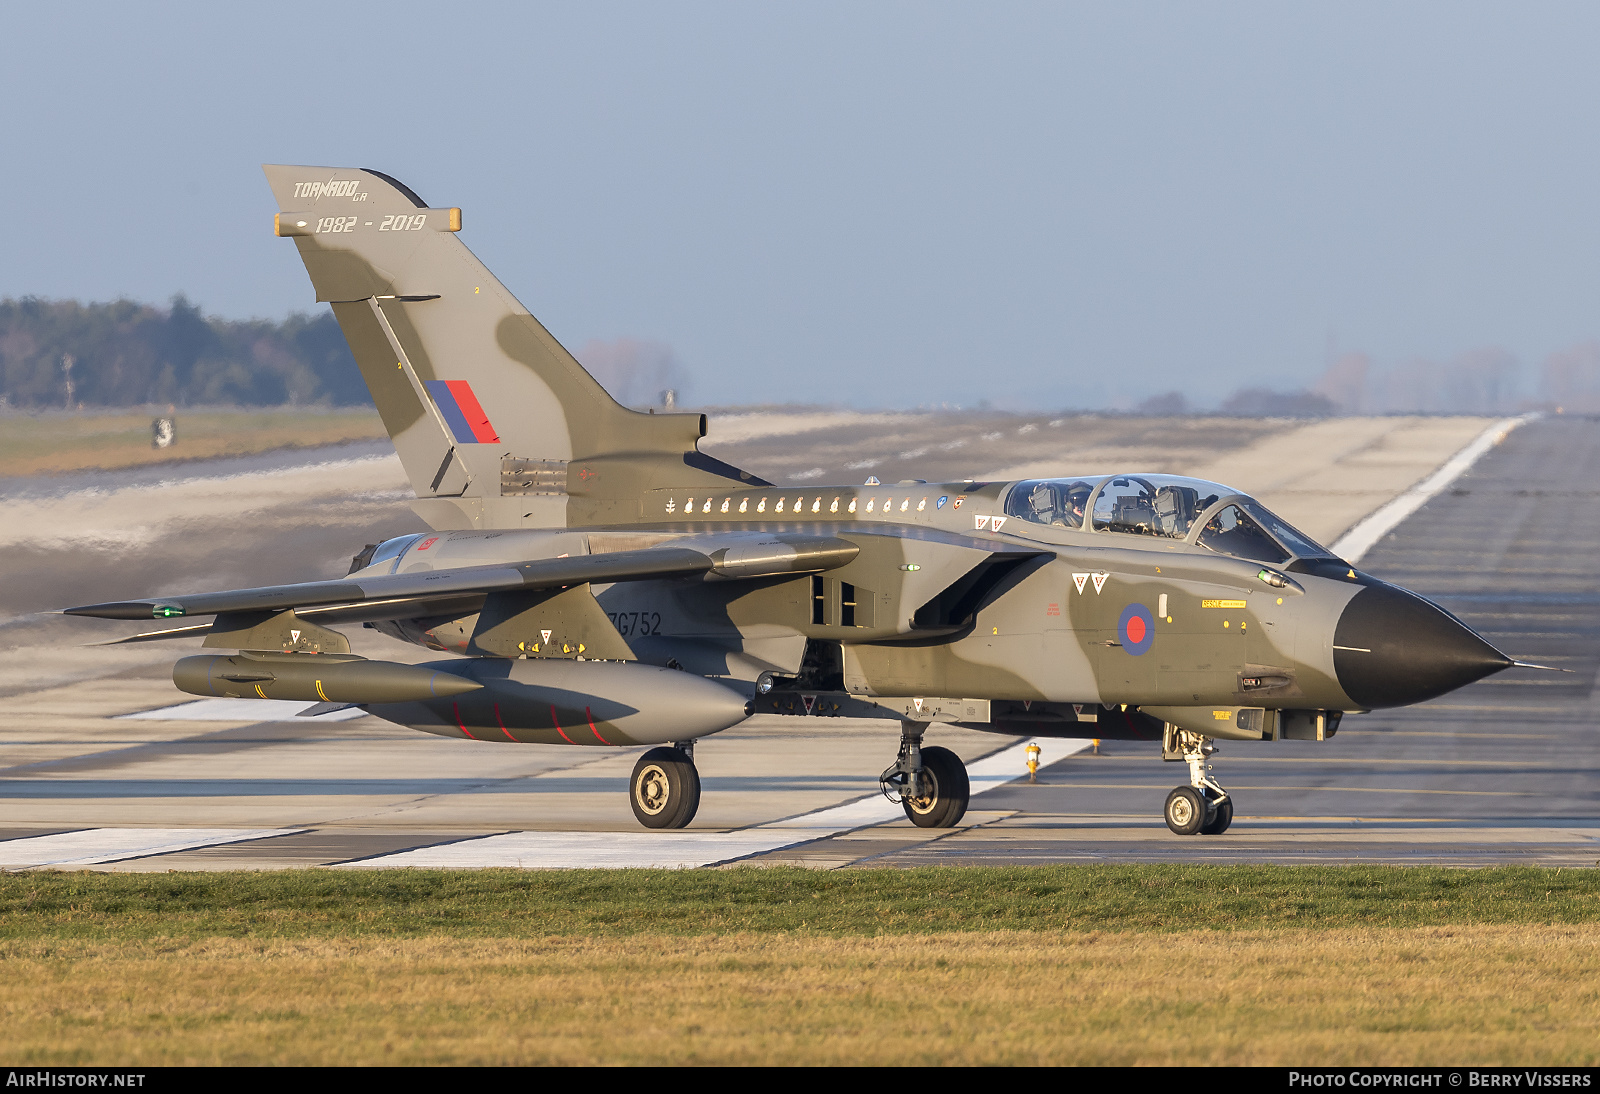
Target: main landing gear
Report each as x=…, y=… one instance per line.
x=1202, y=806
x=930, y=783
x=665, y=789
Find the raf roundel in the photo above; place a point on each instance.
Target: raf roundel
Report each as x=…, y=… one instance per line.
x=1136, y=629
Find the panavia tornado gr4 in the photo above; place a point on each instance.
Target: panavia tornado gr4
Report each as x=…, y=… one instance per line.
x=601, y=583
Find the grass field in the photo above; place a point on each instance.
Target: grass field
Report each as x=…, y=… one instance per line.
x=44, y=444
x=1106, y=965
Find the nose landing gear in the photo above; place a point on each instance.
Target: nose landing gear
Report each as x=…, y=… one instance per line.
x=930, y=783
x=1203, y=806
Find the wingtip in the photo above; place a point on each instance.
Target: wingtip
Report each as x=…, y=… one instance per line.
x=124, y=609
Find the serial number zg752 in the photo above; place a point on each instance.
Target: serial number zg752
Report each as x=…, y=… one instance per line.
x=632, y=623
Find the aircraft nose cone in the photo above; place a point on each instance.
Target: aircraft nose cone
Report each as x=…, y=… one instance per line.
x=1392, y=648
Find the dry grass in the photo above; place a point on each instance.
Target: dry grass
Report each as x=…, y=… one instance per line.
x=79, y=442
x=1070, y=964
x=1462, y=995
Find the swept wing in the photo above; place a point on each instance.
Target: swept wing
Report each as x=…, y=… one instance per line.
x=729, y=557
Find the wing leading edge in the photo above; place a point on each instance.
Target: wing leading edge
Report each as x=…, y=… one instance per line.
x=727, y=557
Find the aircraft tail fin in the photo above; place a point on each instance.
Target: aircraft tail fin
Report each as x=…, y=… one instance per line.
x=496, y=424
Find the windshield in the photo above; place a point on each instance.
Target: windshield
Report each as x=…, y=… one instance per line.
x=1058, y=502
x=1230, y=531
x=1153, y=505
x=1249, y=530
x=1300, y=545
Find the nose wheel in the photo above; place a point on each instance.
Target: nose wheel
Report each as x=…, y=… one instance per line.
x=1186, y=811
x=1221, y=818
x=1202, y=807
x=665, y=788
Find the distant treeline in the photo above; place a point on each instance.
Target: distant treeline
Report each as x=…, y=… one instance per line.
x=1481, y=381
x=128, y=354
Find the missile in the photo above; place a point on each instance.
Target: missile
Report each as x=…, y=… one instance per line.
x=329, y=678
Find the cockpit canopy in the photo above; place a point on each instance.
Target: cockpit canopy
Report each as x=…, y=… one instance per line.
x=1208, y=514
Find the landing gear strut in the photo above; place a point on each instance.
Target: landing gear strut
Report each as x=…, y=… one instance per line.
x=930, y=783
x=665, y=789
x=1202, y=806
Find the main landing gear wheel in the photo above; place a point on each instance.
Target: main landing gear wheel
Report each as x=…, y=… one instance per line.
x=1186, y=810
x=929, y=783
x=665, y=789
x=944, y=790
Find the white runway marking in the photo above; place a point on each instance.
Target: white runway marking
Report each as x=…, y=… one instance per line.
x=241, y=710
x=614, y=850
x=97, y=845
x=547, y=850
x=1366, y=534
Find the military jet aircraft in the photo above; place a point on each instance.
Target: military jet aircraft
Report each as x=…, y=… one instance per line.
x=602, y=583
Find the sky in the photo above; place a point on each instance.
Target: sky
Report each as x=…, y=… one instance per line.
x=870, y=204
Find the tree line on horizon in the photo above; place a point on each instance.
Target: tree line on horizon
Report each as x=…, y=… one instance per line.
x=124, y=354
x=1482, y=381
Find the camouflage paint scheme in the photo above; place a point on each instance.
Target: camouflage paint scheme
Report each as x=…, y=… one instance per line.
x=915, y=600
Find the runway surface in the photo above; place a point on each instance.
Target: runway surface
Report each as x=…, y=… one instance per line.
x=1503, y=771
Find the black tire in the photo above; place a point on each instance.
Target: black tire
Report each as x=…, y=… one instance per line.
x=1221, y=817
x=665, y=789
x=949, y=790
x=1186, y=810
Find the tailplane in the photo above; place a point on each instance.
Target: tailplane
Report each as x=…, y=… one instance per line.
x=496, y=424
